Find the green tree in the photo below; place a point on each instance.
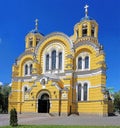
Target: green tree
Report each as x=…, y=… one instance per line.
x=117, y=101
x=13, y=117
x=1, y=102
x=4, y=94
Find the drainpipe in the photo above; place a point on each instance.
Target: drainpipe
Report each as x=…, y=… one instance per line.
x=60, y=102
x=73, y=77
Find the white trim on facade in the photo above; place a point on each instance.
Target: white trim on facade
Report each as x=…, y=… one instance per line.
x=58, y=47
x=83, y=55
x=28, y=63
x=96, y=86
x=82, y=90
x=90, y=74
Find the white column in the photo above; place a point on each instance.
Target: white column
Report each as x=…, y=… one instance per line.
x=28, y=69
x=63, y=61
x=50, y=61
x=57, y=60
x=44, y=63
x=83, y=63
x=82, y=92
x=77, y=93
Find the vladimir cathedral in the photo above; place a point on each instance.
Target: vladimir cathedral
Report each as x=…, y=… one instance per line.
x=61, y=75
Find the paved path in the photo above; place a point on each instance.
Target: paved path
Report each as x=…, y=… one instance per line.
x=37, y=119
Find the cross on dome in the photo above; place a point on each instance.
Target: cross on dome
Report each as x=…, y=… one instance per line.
x=36, y=24
x=86, y=10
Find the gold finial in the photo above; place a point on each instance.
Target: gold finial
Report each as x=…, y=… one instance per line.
x=86, y=10
x=36, y=24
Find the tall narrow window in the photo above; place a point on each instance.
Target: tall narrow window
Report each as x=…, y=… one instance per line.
x=77, y=31
x=80, y=63
x=79, y=92
x=84, y=30
x=30, y=43
x=37, y=41
x=92, y=30
x=85, y=90
x=30, y=68
x=60, y=60
x=26, y=69
x=25, y=89
x=86, y=62
x=53, y=60
x=47, y=62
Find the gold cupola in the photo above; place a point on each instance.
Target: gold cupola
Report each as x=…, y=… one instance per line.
x=33, y=38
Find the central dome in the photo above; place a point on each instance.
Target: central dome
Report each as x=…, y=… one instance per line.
x=87, y=18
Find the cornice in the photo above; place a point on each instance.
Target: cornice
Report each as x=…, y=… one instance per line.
x=24, y=54
x=54, y=34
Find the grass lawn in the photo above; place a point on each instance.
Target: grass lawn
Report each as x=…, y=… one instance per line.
x=58, y=126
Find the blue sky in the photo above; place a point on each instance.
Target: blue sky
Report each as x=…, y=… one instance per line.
x=17, y=19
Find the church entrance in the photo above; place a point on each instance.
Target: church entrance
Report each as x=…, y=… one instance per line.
x=44, y=103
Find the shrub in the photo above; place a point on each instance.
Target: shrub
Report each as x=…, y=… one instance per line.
x=13, y=117
x=117, y=101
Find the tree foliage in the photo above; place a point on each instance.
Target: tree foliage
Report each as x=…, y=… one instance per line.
x=4, y=94
x=117, y=101
x=13, y=117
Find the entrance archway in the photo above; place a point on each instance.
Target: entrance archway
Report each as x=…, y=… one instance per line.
x=44, y=103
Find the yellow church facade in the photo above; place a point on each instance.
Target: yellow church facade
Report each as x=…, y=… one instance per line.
x=61, y=75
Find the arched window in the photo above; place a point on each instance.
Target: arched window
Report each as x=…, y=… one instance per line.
x=92, y=30
x=25, y=89
x=85, y=90
x=80, y=63
x=84, y=30
x=47, y=62
x=53, y=60
x=30, y=43
x=60, y=60
x=30, y=68
x=26, y=69
x=37, y=41
x=79, y=92
x=86, y=62
x=77, y=31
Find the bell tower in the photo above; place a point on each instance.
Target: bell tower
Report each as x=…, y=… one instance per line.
x=33, y=38
x=86, y=29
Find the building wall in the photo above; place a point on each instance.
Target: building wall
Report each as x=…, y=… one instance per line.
x=61, y=85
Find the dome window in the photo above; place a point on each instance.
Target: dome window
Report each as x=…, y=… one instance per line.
x=25, y=89
x=77, y=32
x=93, y=30
x=84, y=30
x=30, y=42
x=37, y=41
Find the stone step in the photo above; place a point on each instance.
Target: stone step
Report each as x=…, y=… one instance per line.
x=35, y=114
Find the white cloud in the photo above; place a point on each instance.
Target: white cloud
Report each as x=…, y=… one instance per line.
x=1, y=83
x=10, y=84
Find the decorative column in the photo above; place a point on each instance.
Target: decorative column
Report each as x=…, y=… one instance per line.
x=88, y=29
x=83, y=63
x=57, y=67
x=50, y=62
